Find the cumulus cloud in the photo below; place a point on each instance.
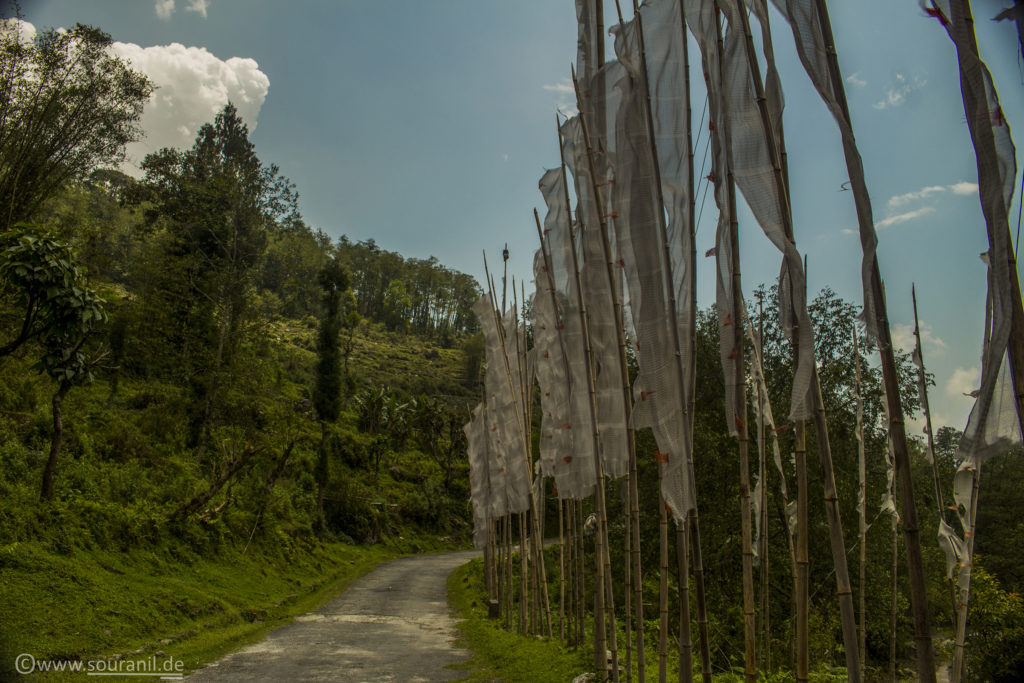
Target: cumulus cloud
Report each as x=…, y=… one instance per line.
x=192, y=85
x=963, y=381
x=164, y=8
x=856, y=80
x=903, y=338
x=904, y=217
x=897, y=94
x=26, y=31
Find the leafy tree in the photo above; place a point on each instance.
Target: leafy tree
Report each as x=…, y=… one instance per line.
x=38, y=273
x=327, y=389
x=67, y=106
x=43, y=292
x=219, y=203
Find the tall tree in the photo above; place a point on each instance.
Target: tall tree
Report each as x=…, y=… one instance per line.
x=327, y=388
x=219, y=204
x=67, y=106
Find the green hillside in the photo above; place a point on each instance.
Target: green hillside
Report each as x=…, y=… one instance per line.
x=212, y=416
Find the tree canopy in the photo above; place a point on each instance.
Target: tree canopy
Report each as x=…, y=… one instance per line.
x=67, y=106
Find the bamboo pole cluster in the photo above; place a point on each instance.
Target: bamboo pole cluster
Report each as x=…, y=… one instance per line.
x=519, y=589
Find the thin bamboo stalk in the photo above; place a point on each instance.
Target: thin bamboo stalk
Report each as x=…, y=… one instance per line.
x=958, y=668
x=663, y=591
x=843, y=589
x=682, y=530
x=510, y=594
x=523, y=577
x=581, y=579
x=673, y=321
x=894, y=597
x=912, y=543
x=627, y=584
x=561, y=572
x=685, y=642
x=623, y=367
x=765, y=612
x=749, y=611
x=523, y=435
x=802, y=559
x=861, y=507
x=601, y=636
x=943, y=510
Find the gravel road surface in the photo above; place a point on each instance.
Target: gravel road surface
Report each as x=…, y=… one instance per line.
x=390, y=625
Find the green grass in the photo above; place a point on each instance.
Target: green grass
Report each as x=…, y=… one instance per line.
x=497, y=654
x=92, y=604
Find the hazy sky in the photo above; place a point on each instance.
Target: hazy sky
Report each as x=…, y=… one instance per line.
x=426, y=126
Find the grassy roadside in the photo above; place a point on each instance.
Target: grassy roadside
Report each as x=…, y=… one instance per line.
x=497, y=654
x=92, y=604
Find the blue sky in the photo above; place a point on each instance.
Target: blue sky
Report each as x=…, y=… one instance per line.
x=426, y=125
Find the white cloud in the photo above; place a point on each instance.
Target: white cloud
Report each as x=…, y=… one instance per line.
x=897, y=94
x=856, y=80
x=566, y=101
x=850, y=231
x=164, y=8
x=192, y=86
x=903, y=338
x=198, y=6
x=963, y=381
x=26, y=31
x=904, y=217
x=923, y=193
x=563, y=87
x=964, y=188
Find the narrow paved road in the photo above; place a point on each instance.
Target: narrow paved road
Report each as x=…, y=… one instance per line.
x=390, y=625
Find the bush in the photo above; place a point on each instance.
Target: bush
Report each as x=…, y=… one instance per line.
x=995, y=631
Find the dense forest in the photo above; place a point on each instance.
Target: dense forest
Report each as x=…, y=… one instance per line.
x=187, y=367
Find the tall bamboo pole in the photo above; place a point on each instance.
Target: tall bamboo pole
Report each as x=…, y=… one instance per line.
x=673, y=322
x=524, y=432
x=601, y=636
x=861, y=506
x=943, y=511
x=958, y=667
x=843, y=588
x=762, y=465
x=998, y=224
x=621, y=334
x=685, y=641
x=912, y=543
x=682, y=530
x=627, y=395
x=561, y=572
x=663, y=591
x=627, y=584
x=508, y=572
x=749, y=611
x=894, y=597
x=581, y=579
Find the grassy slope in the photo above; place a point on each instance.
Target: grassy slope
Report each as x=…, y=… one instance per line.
x=100, y=573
